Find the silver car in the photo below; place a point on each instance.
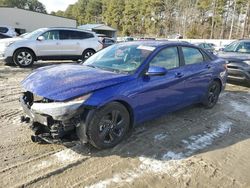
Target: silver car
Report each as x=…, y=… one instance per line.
x=49, y=44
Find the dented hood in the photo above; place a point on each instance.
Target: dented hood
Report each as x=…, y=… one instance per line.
x=65, y=82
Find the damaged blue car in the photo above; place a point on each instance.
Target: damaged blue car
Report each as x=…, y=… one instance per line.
x=117, y=88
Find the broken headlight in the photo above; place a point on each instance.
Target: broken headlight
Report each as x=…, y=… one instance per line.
x=58, y=109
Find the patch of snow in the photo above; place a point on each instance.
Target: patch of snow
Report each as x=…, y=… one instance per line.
x=160, y=137
x=125, y=177
x=67, y=155
x=63, y=157
x=43, y=165
x=245, y=108
x=170, y=155
x=201, y=141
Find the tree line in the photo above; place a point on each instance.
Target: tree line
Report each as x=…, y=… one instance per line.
x=226, y=19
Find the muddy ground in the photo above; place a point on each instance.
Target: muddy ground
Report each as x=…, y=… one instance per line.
x=193, y=147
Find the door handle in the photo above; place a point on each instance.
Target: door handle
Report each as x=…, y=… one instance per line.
x=57, y=43
x=179, y=75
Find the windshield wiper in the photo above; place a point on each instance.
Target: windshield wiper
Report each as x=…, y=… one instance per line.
x=92, y=66
x=108, y=69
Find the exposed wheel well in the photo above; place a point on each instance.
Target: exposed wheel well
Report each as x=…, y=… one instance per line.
x=88, y=49
x=27, y=49
x=219, y=81
x=130, y=110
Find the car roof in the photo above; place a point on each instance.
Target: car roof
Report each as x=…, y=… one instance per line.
x=157, y=43
x=244, y=40
x=67, y=28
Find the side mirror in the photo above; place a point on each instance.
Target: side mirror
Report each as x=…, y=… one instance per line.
x=41, y=38
x=156, y=71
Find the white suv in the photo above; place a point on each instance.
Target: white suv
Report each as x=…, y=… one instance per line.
x=49, y=44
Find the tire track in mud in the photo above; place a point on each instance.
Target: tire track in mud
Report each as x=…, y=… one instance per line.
x=41, y=167
x=9, y=113
x=98, y=163
x=44, y=173
x=40, y=157
x=38, y=176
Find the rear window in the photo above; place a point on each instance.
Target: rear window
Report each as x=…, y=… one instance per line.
x=3, y=29
x=192, y=55
x=74, y=35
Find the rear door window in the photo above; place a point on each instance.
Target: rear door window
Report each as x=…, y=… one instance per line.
x=192, y=55
x=167, y=58
x=244, y=47
x=74, y=35
x=65, y=35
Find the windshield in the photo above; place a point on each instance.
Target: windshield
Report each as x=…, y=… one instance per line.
x=123, y=57
x=34, y=34
x=231, y=47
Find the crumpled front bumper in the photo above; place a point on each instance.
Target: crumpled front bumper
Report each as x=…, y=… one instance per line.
x=50, y=127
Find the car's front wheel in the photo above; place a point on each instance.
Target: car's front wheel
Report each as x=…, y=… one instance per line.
x=23, y=57
x=109, y=126
x=212, y=95
x=87, y=53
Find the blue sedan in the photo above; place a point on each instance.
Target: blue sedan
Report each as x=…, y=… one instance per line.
x=117, y=88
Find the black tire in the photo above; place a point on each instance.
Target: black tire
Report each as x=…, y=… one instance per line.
x=86, y=54
x=24, y=57
x=109, y=126
x=212, y=95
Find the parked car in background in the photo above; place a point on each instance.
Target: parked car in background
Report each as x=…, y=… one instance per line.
x=207, y=46
x=238, y=56
x=3, y=36
x=119, y=87
x=7, y=30
x=125, y=39
x=106, y=41
x=49, y=44
x=218, y=47
x=147, y=38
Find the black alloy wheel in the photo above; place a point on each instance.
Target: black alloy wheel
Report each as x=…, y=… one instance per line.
x=87, y=53
x=109, y=126
x=213, y=94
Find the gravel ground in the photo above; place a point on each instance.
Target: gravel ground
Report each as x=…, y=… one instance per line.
x=193, y=147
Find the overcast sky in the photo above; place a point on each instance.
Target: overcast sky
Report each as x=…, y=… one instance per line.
x=55, y=5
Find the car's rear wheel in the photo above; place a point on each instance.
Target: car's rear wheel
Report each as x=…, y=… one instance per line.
x=24, y=57
x=108, y=126
x=212, y=95
x=87, y=53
